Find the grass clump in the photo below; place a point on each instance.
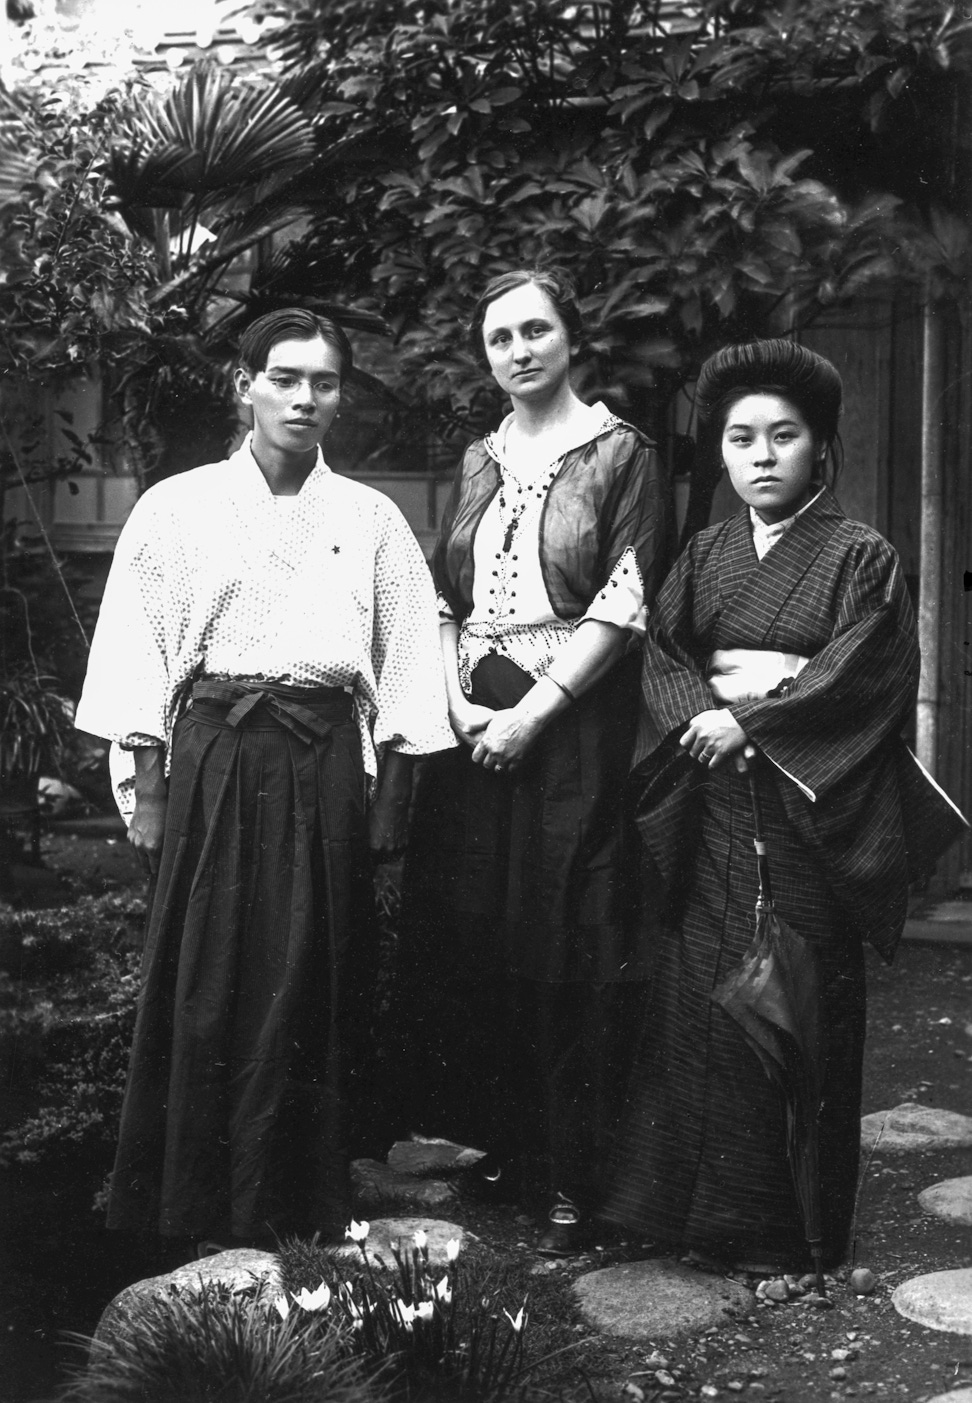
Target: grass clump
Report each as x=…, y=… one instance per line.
x=217, y=1346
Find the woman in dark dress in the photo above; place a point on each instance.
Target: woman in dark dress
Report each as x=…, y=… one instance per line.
x=519, y=939
x=786, y=631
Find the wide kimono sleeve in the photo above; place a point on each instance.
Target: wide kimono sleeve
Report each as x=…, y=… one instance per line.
x=412, y=712
x=673, y=682
x=857, y=690
x=128, y=689
x=673, y=690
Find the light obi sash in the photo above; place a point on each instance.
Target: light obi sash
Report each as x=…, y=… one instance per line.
x=749, y=674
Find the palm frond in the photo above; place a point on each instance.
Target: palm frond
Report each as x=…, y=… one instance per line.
x=209, y=135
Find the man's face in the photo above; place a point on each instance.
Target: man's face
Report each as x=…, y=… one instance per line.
x=295, y=397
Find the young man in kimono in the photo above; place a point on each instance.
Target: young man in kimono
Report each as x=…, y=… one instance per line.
x=266, y=654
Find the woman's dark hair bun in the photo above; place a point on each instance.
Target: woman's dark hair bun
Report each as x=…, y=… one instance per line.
x=773, y=366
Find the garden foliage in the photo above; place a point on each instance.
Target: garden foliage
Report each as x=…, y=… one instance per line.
x=704, y=170
x=68, y=987
x=362, y=1333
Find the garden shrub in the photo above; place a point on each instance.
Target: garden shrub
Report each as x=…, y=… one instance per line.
x=68, y=990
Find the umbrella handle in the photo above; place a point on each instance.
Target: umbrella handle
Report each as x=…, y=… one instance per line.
x=765, y=900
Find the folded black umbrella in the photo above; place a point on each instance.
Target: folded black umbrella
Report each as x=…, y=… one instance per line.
x=774, y=996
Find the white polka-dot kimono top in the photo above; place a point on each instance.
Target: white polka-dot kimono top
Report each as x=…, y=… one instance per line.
x=213, y=574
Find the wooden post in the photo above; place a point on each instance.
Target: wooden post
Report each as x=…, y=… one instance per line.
x=930, y=563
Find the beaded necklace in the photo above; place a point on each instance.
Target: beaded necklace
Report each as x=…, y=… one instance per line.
x=512, y=514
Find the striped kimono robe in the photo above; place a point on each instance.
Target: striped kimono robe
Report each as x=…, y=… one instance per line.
x=703, y=1163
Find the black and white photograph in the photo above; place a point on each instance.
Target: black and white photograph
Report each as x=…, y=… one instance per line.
x=485, y=701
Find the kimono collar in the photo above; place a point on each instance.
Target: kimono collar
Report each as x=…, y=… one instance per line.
x=599, y=420
x=766, y=535
x=256, y=510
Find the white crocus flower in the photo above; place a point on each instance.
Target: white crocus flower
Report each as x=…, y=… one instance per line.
x=282, y=1306
x=405, y=1314
x=443, y=1290
x=452, y=1249
x=425, y=1310
x=421, y=1239
x=517, y=1324
x=314, y=1300
x=357, y=1231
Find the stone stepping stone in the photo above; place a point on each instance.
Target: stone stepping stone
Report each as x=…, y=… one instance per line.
x=942, y=1300
x=910, y=1127
x=238, y=1270
x=430, y=1157
x=956, y=1395
x=951, y=1199
x=386, y=1233
x=657, y=1299
x=376, y=1186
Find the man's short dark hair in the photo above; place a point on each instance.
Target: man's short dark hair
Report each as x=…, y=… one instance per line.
x=291, y=324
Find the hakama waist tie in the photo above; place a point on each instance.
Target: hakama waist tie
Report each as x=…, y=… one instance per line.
x=307, y=712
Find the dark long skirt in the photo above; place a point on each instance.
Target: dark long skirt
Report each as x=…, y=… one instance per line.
x=523, y=957
x=258, y=964
x=703, y=1162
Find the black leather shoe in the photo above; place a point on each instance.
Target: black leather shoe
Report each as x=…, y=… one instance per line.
x=567, y=1232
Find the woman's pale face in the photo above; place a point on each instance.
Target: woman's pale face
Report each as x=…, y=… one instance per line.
x=771, y=455
x=527, y=344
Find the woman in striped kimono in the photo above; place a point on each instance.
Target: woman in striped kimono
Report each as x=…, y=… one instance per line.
x=786, y=633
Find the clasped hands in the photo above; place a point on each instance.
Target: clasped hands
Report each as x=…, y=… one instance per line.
x=715, y=736
x=499, y=740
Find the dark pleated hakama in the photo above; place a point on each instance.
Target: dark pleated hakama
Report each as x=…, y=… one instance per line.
x=256, y=979
x=523, y=958
x=702, y=1162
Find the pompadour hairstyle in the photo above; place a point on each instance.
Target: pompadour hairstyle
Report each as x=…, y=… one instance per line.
x=291, y=324
x=776, y=366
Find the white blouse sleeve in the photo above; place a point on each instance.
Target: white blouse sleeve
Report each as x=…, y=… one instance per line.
x=412, y=714
x=622, y=600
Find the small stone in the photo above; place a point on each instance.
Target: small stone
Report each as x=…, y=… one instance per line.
x=735, y=1386
x=839, y=1372
x=709, y=1391
x=843, y=1354
x=818, y=1302
x=777, y=1290
x=851, y=1335
x=663, y=1377
x=377, y=1186
x=632, y=1391
x=427, y=1158
x=862, y=1281
x=656, y=1360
